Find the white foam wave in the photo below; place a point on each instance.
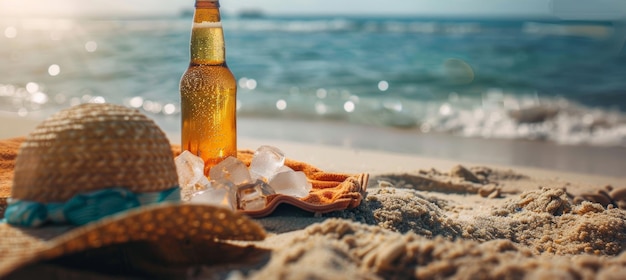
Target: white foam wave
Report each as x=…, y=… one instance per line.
x=352, y=25
x=494, y=115
x=581, y=30
x=557, y=120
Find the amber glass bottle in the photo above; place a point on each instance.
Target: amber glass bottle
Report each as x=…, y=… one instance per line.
x=208, y=91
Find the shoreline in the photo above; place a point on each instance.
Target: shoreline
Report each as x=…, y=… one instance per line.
x=589, y=160
x=297, y=137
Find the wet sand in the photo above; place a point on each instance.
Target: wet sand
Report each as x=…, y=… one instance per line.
x=518, y=153
x=542, y=155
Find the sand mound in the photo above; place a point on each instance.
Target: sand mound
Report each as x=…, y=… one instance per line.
x=543, y=220
x=356, y=251
x=433, y=225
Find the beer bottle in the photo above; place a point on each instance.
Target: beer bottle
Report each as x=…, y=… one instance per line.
x=208, y=91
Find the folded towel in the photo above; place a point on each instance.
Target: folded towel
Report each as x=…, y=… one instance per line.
x=8, y=153
x=330, y=191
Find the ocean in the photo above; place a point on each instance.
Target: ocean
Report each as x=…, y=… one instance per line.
x=537, y=80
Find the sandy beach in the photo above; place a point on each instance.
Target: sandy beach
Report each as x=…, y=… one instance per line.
x=485, y=210
x=476, y=140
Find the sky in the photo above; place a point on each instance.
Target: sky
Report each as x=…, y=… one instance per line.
x=568, y=9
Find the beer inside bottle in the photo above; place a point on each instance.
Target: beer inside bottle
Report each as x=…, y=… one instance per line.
x=208, y=91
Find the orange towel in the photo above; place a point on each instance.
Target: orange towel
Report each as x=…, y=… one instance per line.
x=8, y=153
x=330, y=192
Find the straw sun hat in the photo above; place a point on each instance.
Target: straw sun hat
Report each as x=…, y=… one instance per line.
x=96, y=185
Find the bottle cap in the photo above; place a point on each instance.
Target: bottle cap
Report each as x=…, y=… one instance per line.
x=215, y=3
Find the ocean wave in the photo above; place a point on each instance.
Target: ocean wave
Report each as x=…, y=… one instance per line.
x=582, y=30
x=560, y=121
x=597, y=30
x=495, y=114
x=467, y=78
x=352, y=25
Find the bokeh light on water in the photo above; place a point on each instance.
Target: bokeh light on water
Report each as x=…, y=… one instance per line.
x=91, y=46
x=281, y=104
x=54, y=70
x=10, y=32
x=247, y=83
x=349, y=106
x=496, y=79
x=383, y=85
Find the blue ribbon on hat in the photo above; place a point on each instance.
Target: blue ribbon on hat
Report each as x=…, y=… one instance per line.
x=83, y=208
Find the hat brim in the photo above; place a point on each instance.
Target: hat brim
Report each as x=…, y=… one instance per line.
x=166, y=259
x=167, y=224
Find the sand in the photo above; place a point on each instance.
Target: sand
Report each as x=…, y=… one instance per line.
x=401, y=231
x=432, y=218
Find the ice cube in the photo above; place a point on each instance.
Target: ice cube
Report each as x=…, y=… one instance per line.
x=291, y=183
x=219, y=194
x=252, y=196
x=266, y=161
x=230, y=169
x=284, y=168
x=190, y=170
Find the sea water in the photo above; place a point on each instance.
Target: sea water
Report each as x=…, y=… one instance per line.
x=541, y=80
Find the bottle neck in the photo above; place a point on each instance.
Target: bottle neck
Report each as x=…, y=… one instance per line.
x=207, y=37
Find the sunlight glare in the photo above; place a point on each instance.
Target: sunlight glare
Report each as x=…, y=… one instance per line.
x=39, y=97
x=251, y=83
x=383, y=85
x=98, y=99
x=321, y=108
x=136, y=102
x=38, y=7
x=32, y=87
x=91, y=46
x=10, y=32
x=54, y=70
x=281, y=105
x=349, y=106
x=169, y=109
